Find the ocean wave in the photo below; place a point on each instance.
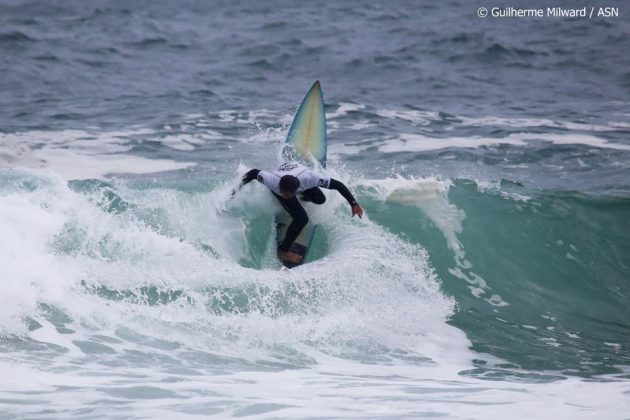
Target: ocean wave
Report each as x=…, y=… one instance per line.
x=545, y=270
x=557, y=259
x=15, y=37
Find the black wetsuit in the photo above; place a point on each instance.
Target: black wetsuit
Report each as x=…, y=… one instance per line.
x=294, y=208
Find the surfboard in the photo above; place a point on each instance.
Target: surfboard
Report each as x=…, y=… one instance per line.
x=306, y=143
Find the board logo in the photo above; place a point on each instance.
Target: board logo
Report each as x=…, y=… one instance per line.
x=285, y=167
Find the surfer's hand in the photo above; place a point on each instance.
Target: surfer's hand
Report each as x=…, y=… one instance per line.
x=356, y=209
x=250, y=176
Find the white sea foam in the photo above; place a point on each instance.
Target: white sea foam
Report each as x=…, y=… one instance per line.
x=539, y=122
x=407, y=142
x=334, y=387
x=185, y=142
x=77, y=154
x=343, y=109
x=29, y=273
x=101, y=249
x=418, y=117
x=254, y=117
x=352, y=342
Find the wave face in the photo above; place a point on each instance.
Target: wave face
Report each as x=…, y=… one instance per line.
x=445, y=278
x=546, y=271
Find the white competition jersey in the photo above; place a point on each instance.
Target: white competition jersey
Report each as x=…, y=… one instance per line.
x=308, y=179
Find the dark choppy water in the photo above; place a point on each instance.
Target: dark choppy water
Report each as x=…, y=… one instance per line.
x=492, y=157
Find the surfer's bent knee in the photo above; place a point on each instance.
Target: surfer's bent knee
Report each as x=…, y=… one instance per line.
x=314, y=195
x=319, y=199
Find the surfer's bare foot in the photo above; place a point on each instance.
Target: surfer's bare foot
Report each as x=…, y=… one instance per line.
x=290, y=256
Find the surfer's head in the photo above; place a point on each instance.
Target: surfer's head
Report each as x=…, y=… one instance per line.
x=288, y=186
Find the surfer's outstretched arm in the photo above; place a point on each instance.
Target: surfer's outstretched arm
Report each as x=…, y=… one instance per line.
x=246, y=179
x=345, y=192
x=268, y=179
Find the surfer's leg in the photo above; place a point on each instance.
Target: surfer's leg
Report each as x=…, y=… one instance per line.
x=300, y=219
x=314, y=195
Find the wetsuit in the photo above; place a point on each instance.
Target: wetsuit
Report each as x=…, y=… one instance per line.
x=309, y=189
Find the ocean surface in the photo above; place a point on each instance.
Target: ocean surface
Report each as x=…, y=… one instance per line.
x=489, y=279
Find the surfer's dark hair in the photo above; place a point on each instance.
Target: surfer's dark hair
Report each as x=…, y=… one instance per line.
x=289, y=183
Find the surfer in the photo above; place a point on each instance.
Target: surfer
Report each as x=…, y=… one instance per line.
x=285, y=182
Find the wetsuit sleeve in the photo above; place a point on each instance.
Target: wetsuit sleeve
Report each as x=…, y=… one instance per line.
x=250, y=175
x=310, y=179
x=268, y=179
x=343, y=190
